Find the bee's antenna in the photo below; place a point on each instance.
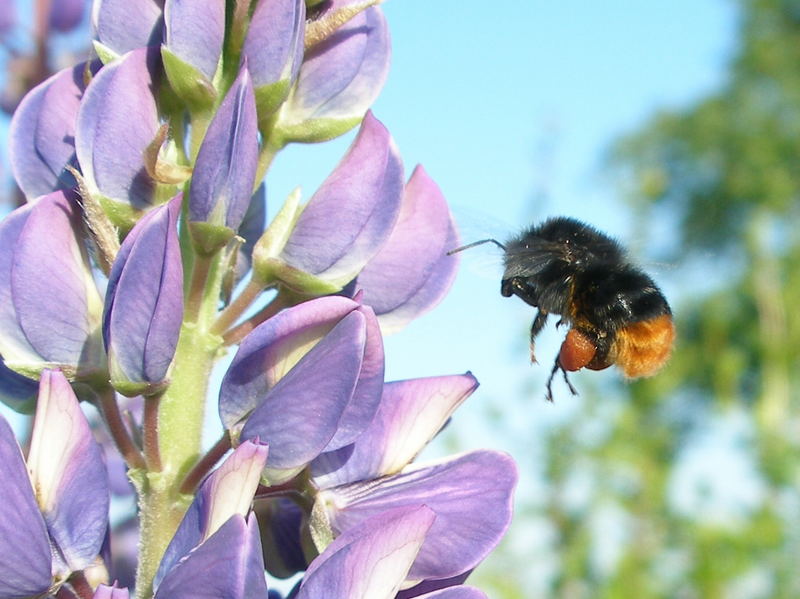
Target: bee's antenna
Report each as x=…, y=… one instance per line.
x=474, y=243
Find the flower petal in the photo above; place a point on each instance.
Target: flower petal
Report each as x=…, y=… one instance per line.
x=371, y=560
x=68, y=474
x=24, y=547
x=471, y=495
x=105, y=592
x=48, y=299
x=339, y=80
x=42, y=134
x=411, y=412
x=228, y=565
x=117, y=120
x=227, y=491
x=16, y=391
x=300, y=414
x=369, y=181
x=225, y=170
x=124, y=25
x=195, y=31
x=144, y=301
x=412, y=272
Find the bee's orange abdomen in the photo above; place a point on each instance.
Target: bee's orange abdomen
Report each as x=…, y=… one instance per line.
x=642, y=348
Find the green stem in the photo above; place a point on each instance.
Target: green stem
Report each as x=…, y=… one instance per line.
x=240, y=331
x=237, y=307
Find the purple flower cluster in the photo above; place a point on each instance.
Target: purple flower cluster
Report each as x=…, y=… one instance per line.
x=142, y=255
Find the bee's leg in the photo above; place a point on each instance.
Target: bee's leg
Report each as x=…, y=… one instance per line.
x=536, y=327
x=556, y=367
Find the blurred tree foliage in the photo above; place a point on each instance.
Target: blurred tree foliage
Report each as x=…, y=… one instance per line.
x=727, y=171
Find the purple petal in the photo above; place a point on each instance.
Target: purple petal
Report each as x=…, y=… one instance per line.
x=24, y=548
x=371, y=560
x=281, y=536
x=412, y=272
x=42, y=134
x=124, y=25
x=144, y=299
x=340, y=77
x=104, y=592
x=8, y=16
x=66, y=15
x=368, y=181
x=194, y=32
x=68, y=474
x=429, y=586
x=225, y=170
x=16, y=391
x=229, y=565
x=250, y=230
x=227, y=491
x=117, y=120
x=471, y=495
x=272, y=349
x=273, y=46
x=300, y=414
x=411, y=412
x=48, y=300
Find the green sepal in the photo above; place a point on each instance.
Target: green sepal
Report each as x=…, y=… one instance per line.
x=319, y=525
x=104, y=53
x=122, y=215
x=315, y=130
x=133, y=388
x=207, y=238
x=269, y=98
x=271, y=242
x=188, y=83
x=299, y=281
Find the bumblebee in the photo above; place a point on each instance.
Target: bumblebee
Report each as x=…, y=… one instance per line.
x=615, y=312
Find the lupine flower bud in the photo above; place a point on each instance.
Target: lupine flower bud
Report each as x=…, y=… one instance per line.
x=369, y=181
x=49, y=305
x=117, y=121
x=144, y=303
x=192, y=48
x=273, y=50
x=124, y=25
x=228, y=491
x=105, y=592
x=42, y=134
x=339, y=80
x=225, y=170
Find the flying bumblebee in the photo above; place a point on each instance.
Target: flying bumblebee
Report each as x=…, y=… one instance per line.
x=615, y=312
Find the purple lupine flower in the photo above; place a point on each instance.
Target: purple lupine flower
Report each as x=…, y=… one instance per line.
x=270, y=356
x=225, y=170
x=194, y=33
x=217, y=546
x=456, y=592
x=371, y=560
x=470, y=493
x=117, y=121
x=412, y=271
x=228, y=491
x=66, y=15
x=273, y=49
x=105, y=592
x=42, y=135
x=369, y=181
x=339, y=80
x=50, y=309
x=124, y=25
x=144, y=303
x=228, y=564
x=54, y=515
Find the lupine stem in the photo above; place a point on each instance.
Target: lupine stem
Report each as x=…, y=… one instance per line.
x=200, y=271
x=237, y=333
x=116, y=427
x=152, y=455
x=237, y=307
